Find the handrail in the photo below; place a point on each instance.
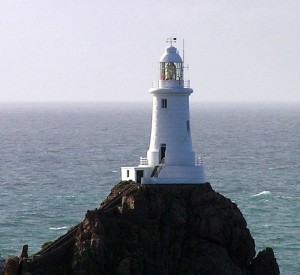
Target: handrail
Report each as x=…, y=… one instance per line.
x=198, y=161
x=158, y=170
x=67, y=238
x=127, y=188
x=159, y=167
x=143, y=161
x=181, y=83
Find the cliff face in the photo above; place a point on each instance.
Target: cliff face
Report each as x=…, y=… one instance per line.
x=163, y=229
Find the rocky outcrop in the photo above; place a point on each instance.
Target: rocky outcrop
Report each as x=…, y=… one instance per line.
x=265, y=263
x=157, y=229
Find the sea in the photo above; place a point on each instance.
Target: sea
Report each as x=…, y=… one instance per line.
x=58, y=160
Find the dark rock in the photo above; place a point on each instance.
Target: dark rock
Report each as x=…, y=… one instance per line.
x=11, y=266
x=265, y=263
x=24, y=252
x=157, y=229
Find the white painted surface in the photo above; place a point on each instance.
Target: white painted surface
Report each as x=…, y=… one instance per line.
x=178, y=175
x=170, y=128
x=170, y=55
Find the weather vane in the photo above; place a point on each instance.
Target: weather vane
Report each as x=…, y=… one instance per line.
x=171, y=40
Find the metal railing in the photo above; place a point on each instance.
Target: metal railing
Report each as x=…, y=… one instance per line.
x=198, y=161
x=143, y=161
x=186, y=83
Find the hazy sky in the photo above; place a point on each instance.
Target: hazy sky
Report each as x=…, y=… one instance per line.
x=96, y=50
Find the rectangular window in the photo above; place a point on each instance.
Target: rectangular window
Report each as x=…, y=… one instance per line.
x=188, y=125
x=164, y=103
x=127, y=173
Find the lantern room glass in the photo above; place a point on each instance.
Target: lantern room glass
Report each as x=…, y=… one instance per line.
x=171, y=71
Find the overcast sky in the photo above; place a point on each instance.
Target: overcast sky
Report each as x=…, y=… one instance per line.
x=96, y=50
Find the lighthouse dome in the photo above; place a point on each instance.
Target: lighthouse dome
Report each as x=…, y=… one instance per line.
x=170, y=55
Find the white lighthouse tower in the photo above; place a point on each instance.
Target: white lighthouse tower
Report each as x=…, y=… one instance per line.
x=170, y=157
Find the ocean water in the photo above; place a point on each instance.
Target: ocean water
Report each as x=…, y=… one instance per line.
x=59, y=160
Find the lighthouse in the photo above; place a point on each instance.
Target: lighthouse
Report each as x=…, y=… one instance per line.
x=170, y=157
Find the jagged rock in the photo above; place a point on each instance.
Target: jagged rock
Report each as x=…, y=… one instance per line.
x=265, y=263
x=157, y=229
x=24, y=252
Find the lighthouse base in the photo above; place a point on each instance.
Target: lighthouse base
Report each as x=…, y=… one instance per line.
x=165, y=174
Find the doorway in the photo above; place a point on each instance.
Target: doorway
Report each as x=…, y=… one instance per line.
x=162, y=155
x=139, y=175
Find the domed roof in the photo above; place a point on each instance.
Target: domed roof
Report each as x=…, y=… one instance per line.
x=170, y=55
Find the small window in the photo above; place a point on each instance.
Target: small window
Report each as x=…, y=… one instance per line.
x=127, y=173
x=188, y=125
x=164, y=103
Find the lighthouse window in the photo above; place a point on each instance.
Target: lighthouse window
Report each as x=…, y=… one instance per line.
x=127, y=173
x=188, y=125
x=164, y=103
x=170, y=71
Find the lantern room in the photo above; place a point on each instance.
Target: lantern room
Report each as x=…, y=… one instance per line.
x=171, y=65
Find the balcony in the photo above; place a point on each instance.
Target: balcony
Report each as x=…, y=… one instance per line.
x=170, y=83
